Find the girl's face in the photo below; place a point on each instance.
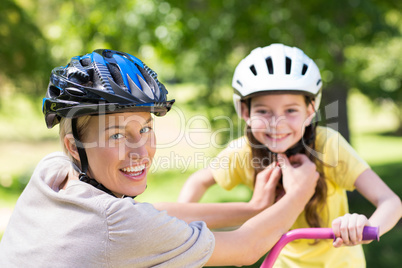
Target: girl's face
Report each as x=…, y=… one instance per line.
x=120, y=148
x=278, y=120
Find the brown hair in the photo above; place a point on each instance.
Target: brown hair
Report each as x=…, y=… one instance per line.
x=266, y=157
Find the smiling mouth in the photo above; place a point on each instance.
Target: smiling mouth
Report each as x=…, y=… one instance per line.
x=277, y=136
x=134, y=171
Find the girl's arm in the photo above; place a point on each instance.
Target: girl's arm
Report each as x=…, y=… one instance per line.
x=388, y=211
x=219, y=215
x=196, y=185
x=255, y=237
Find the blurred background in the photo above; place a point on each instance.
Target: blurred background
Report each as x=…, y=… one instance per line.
x=194, y=46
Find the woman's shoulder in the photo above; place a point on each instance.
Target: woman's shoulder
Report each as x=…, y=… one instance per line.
x=54, y=159
x=51, y=171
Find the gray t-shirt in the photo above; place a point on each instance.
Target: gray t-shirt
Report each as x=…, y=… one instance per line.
x=82, y=226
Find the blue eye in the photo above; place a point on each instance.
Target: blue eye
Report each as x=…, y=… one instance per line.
x=116, y=136
x=145, y=130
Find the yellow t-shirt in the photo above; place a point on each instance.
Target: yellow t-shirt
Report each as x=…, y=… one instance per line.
x=340, y=165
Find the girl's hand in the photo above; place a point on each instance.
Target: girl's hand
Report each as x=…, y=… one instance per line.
x=348, y=230
x=265, y=186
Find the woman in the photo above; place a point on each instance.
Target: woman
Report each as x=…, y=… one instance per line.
x=78, y=210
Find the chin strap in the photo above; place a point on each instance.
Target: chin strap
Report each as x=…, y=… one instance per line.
x=84, y=162
x=303, y=142
x=84, y=177
x=80, y=148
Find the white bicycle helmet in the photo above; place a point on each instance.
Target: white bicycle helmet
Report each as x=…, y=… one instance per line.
x=276, y=68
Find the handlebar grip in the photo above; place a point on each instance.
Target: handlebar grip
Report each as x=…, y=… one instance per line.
x=371, y=233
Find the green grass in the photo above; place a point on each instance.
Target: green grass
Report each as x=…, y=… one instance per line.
x=378, y=148
x=9, y=196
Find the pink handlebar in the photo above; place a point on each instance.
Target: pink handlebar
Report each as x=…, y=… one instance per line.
x=369, y=233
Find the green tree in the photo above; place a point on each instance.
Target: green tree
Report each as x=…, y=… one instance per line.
x=24, y=59
x=202, y=41
x=220, y=33
x=379, y=65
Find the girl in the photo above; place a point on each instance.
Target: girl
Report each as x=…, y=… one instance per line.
x=76, y=210
x=277, y=90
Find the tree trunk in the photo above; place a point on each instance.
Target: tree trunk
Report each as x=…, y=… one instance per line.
x=334, y=108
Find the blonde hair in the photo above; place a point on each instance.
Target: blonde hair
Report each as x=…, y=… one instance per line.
x=65, y=128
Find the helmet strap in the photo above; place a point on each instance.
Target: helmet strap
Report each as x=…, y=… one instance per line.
x=80, y=148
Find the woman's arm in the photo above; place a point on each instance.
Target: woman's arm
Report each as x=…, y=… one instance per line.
x=219, y=215
x=255, y=237
x=388, y=211
x=196, y=185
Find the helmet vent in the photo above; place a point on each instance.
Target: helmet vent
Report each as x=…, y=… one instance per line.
x=252, y=68
x=107, y=53
x=288, y=65
x=116, y=75
x=103, y=73
x=270, y=65
x=54, y=92
x=85, y=62
x=304, y=70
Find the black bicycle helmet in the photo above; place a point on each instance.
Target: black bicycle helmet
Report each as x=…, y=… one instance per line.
x=104, y=81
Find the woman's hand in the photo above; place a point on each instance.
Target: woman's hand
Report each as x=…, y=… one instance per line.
x=348, y=230
x=265, y=186
x=299, y=175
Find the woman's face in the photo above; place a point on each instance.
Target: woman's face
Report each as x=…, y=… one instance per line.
x=120, y=148
x=278, y=120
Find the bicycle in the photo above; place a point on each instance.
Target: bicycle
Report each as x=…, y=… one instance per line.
x=369, y=233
